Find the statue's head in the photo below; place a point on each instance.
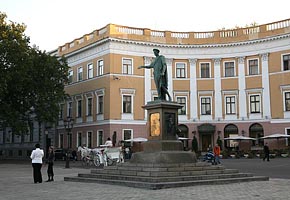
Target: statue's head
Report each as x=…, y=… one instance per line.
x=156, y=51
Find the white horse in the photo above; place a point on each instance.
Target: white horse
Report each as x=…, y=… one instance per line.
x=85, y=152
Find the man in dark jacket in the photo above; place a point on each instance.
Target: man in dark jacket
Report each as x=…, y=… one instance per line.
x=266, y=152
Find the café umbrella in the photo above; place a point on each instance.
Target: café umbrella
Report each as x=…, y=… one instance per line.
x=183, y=138
x=275, y=136
x=239, y=138
x=137, y=139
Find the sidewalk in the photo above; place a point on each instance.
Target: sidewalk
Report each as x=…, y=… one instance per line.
x=16, y=182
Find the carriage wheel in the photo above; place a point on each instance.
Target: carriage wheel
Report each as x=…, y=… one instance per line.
x=97, y=161
x=110, y=162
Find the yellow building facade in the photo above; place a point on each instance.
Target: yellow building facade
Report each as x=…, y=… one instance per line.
x=230, y=82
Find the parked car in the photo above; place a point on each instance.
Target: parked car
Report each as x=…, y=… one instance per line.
x=59, y=154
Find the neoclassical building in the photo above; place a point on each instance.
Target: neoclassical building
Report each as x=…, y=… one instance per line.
x=230, y=82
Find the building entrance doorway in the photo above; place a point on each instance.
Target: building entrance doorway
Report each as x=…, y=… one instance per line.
x=206, y=132
x=206, y=141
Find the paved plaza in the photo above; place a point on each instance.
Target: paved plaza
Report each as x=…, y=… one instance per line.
x=16, y=182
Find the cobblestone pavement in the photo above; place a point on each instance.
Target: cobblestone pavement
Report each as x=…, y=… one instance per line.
x=16, y=182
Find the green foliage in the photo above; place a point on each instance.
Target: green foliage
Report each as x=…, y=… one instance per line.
x=32, y=81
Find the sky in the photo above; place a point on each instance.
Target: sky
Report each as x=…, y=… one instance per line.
x=52, y=23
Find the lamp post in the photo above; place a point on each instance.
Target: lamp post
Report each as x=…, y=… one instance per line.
x=68, y=125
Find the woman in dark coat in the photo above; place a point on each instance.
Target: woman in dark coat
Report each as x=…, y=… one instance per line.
x=50, y=160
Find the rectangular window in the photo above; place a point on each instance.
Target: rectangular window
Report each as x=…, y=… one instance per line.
x=61, y=141
x=127, y=134
x=288, y=140
x=255, y=103
x=79, y=111
x=90, y=71
x=90, y=136
x=100, y=138
x=70, y=76
x=180, y=70
x=287, y=101
x=253, y=67
x=89, y=106
x=30, y=130
x=69, y=139
x=79, y=142
x=182, y=101
x=100, y=67
x=127, y=104
x=80, y=73
x=61, y=111
x=69, y=109
x=229, y=69
x=230, y=105
x=286, y=62
x=127, y=66
x=205, y=106
x=204, y=70
x=100, y=105
x=2, y=137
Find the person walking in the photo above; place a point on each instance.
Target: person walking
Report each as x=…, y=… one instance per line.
x=217, y=152
x=50, y=159
x=36, y=156
x=266, y=152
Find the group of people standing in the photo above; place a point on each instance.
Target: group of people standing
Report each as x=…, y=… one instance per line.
x=37, y=160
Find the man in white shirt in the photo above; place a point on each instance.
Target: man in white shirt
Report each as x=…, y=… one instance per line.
x=109, y=143
x=36, y=157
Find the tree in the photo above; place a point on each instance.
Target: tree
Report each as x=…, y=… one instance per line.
x=31, y=81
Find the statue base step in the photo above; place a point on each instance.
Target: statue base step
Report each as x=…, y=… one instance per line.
x=164, y=157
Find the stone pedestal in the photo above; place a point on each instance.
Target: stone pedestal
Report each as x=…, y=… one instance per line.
x=162, y=145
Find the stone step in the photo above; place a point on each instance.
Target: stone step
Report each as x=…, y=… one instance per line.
x=162, y=185
x=168, y=165
x=155, y=173
x=133, y=168
x=165, y=179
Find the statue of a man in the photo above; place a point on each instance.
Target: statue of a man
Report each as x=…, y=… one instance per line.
x=160, y=75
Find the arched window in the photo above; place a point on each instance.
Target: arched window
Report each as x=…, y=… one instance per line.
x=230, y=130
x=256, y=131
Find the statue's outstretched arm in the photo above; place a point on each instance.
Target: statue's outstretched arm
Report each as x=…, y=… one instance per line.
x=147, y=67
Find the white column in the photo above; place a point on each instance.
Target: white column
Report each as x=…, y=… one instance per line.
x=193, y=90
x=170, y=80
x=242, y=89
x=217, y=89
x=147, y=82
x=266, y=88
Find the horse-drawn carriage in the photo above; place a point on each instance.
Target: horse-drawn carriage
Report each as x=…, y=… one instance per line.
x=101, y=156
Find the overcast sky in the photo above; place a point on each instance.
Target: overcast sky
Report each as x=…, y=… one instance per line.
x=51, y=23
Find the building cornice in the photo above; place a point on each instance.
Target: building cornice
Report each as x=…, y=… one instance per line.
x=120, y=46
x=231, y=44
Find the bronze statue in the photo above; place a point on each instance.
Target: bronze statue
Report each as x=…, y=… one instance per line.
x=160, y=75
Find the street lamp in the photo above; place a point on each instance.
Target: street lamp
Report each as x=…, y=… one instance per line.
x=68, y=125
